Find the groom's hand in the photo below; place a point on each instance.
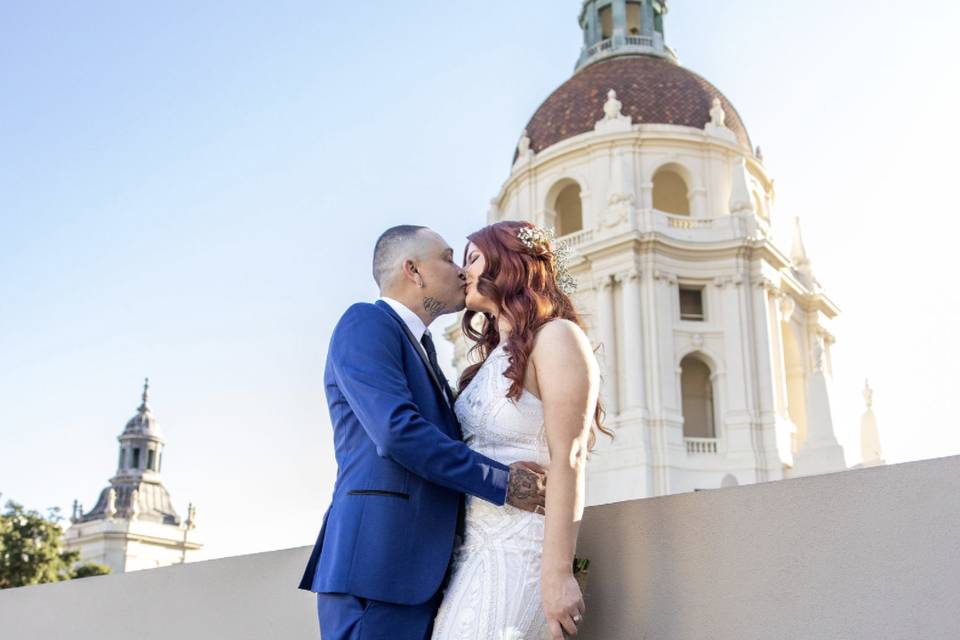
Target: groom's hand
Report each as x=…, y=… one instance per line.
x=527, y=487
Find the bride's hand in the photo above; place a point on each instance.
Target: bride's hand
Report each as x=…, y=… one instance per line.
x=562, y=603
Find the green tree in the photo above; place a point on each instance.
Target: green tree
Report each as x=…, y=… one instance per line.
x=31, y=549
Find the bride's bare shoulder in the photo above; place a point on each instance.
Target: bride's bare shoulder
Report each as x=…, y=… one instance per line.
x=561, y=336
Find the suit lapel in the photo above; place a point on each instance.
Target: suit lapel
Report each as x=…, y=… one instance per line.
x=437, y=383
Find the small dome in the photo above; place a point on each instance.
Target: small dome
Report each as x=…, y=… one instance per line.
x=143, y=423
x=653, y=90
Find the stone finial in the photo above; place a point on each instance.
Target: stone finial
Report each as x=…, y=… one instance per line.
x=145, y=404
x=111, y=509
x=759, y=153
x=718, y=117
x=871, y=452
x=798, y=252
x=820, y=451
x=191, y=521
x=75, y=516
x=612, y=108
x=741, y=197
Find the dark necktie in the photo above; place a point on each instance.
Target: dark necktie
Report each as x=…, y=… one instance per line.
x=431, y=350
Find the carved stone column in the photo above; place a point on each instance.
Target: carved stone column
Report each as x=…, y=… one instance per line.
x=632, y=341
x=608, y=337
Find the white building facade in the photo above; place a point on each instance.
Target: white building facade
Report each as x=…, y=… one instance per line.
x=134, y=525
x=714, y=340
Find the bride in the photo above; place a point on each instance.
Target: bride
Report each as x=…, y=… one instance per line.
x=533, y=395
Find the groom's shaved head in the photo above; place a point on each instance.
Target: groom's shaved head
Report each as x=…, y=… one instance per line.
x=394, y=246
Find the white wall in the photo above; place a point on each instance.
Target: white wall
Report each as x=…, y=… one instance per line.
x=860, y=554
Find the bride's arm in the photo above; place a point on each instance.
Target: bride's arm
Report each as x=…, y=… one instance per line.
x=568, y=381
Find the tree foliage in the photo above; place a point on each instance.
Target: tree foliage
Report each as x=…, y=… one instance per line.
x=31, y=549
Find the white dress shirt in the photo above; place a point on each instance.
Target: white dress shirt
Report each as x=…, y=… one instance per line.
x=413, y=322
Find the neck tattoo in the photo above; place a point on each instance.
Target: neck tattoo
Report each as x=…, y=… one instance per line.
x=433, y=307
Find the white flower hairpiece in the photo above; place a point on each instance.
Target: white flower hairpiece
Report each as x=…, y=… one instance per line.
x=536, y=239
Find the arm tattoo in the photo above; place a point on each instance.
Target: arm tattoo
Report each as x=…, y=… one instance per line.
x=523, y=485
x=434, y=307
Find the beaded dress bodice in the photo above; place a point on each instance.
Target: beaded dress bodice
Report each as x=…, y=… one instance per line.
x=494, y=589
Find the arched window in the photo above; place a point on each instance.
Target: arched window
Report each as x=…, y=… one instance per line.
x=670, y=193
x=136, y=458
x=634, y=11
x=151, y=458
x=568, y=210
x=606, y=22
x=697, y=392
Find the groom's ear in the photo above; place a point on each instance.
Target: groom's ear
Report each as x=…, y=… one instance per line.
x=410, y=272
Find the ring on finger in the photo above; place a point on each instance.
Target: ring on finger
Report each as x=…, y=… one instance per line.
x=577, y=618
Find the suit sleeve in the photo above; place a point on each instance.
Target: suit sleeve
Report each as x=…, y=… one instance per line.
x=367, y=362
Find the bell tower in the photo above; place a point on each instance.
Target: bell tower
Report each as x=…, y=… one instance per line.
x=714, y=337
x=134, y=524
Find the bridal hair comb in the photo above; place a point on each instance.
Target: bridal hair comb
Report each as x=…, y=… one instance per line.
x=538, y=239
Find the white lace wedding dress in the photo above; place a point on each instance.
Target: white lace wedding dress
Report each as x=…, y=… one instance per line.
x=494, y=590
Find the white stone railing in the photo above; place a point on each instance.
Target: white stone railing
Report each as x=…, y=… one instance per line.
x=639, y=41
x=686, y=222
x=691, y=228
x=870, y=553
x=701, y=445
x=577, y=239
x=603, y=45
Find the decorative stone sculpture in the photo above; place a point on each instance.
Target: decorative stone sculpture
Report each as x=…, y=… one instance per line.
x=524, y=152
x=620, y=198
x=718, y=117
x=134, y=504
x=718, y=123
x=613, y=118
x=111, y=509
x=613, y=108
x=741, y=200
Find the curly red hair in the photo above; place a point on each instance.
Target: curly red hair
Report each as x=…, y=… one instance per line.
x=522, y=282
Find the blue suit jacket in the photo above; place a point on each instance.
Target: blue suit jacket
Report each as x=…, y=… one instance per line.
x=401, y=466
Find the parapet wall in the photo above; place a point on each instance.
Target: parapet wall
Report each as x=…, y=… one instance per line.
x=872, y=554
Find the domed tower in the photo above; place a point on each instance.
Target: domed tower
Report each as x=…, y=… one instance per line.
x=709, y=331
x=134, y=524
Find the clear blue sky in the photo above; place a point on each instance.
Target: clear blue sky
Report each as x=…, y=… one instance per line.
x=190, y=191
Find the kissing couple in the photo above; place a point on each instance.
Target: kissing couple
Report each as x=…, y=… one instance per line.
x=441, y=525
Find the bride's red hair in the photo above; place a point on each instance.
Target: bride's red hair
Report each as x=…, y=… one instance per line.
x=522, y=282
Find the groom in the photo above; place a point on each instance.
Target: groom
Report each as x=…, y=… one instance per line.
x=382, y=556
